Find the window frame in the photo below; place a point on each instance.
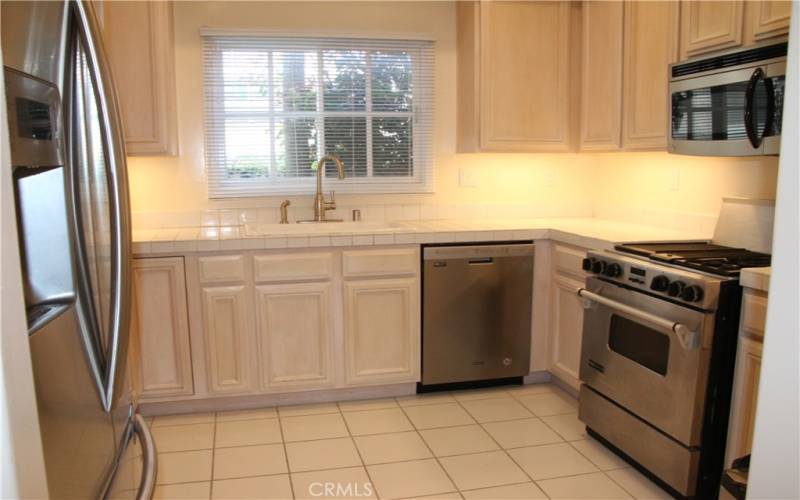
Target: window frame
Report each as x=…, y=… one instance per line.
x=421, y=117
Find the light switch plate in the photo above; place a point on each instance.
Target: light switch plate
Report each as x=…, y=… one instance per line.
x=468, y=177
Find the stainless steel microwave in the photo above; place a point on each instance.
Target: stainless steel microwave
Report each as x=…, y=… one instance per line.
x=728, y=105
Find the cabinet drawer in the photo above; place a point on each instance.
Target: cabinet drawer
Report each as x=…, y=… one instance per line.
x=569, y=259
x=221, y=268
x=754, y=312
x=309, y=266
x=380, y=262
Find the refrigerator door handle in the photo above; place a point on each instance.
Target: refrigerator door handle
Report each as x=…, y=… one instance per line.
x=119, y=204
x=150, y=460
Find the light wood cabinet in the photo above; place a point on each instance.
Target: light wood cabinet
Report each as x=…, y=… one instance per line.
x=650, y=45
x=514, y=64
x=566, y=329
x=601, y=76
x=295, y=325
x=382, y=331
x=709, y=26
x=766, y=21
x=138, y=37
x=227, y=338
x=160, y=351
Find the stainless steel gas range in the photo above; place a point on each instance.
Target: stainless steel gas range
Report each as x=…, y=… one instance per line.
x=658, y=352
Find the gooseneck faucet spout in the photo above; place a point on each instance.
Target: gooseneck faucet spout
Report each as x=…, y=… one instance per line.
x=320, y=203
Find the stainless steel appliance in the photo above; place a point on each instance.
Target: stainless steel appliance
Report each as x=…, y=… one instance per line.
x=659, y=346
x=72, y=212
x=728, y=105
x=476, y=313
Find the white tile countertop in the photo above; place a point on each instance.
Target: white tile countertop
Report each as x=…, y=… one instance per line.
x=585, y=232
x=756, y=278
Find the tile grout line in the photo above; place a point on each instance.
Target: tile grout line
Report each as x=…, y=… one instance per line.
x=213, y=455
x=438, y=462
x=358, y=452
x=285, y=454
x=506, y=452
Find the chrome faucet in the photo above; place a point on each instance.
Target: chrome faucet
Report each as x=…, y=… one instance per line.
x=321, y=205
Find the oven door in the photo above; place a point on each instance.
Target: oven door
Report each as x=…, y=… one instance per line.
x=648, y=355
x=729, y=113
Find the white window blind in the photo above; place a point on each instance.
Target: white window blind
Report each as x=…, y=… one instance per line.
x=274, y=104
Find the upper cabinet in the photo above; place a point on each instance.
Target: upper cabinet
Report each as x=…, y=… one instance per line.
x=514, y=75
x=139, y=41
x=711, y=26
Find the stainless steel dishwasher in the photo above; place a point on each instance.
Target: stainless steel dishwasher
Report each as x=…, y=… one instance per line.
x=476, y=312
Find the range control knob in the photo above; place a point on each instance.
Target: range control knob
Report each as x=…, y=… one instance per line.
x=613, y=270
x=692, y=293
x=676, y=288
x=660, y=283
x=599, y=266
x=586, y=265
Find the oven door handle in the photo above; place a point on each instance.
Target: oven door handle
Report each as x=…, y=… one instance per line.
x=689, y=340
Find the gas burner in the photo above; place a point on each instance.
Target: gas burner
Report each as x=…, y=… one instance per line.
x=706, y=257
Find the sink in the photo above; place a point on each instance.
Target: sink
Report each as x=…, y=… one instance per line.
x=263, y=229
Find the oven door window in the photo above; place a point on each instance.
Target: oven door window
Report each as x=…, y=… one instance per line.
x=639, y=343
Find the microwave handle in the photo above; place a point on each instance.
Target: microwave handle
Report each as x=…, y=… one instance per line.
x=689, y=340
x=749, y=116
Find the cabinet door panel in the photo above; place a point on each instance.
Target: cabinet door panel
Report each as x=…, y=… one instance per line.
x=567, y=330
x=138, y=37
x=160, y=329
x=745, y=396
x=524, y=61
x=382, y=331
x=766, y=20
x=650, y=45
x=601, y=77
x=294, y=329
x=226, y=336
x=708, y=26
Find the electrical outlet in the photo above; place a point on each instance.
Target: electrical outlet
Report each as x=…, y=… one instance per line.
x=675, y=179
x=468, y=177
x=549, y=178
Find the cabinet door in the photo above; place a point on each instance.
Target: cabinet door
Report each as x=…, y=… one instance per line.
x=294, y=334
x=765, y=20
x=650, y=45
x=225, y=328
x=745, y=396
x=567, y=330
x=138, y=38
x=162, y=364
x=524, y=61
x=382, y=331
x=601, y=76
x=709, y=26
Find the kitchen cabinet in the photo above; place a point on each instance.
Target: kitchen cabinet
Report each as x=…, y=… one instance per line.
x=382, y=331
x=138, y=37
x=566, y=314
x=227, y=338
x=650, y=35
x=514, y=67
x=601, y=76
x=746, y=374
x=160, y=352
x=295, y=326
x=712, y=26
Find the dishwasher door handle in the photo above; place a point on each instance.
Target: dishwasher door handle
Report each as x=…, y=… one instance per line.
x=480, y=260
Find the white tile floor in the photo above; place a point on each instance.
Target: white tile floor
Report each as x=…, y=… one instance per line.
x=505, y=443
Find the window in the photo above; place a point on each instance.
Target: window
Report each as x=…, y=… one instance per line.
x=276, y=104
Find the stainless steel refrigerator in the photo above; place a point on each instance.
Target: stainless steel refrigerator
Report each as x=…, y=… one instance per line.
x=72, y=207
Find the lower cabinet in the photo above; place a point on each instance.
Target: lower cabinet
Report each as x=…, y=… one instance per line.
x=294, y=328
x=382, y=330
x=567, y=329
x=227, y=339
x=161, y=358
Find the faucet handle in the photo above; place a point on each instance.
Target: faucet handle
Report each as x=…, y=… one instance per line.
x=333, y=196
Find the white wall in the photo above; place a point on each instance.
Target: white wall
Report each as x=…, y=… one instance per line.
x=775, y=466
x=22, y=474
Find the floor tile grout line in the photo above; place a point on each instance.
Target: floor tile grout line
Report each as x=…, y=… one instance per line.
x=360, y=457
x=213, y=455
x=620, y=485
x=438, y=462
x=511, y=458
x=285, y=455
